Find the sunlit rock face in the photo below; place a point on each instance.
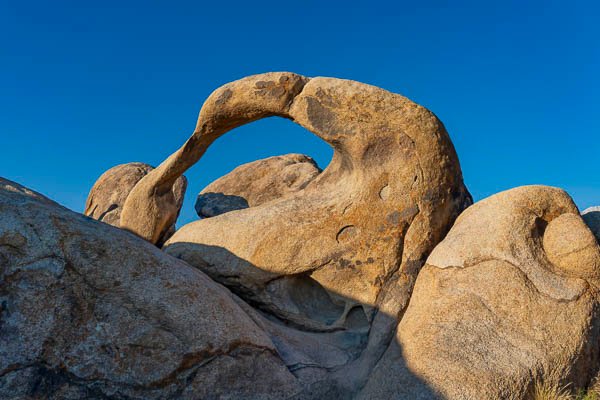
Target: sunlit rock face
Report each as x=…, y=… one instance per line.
x=372, y=279
x=256, y=183
x=507, y=300
x=341, y=253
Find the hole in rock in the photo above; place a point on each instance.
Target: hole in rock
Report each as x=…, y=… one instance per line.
x=260, y=139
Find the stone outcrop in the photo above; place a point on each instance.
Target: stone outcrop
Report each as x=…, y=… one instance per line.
x=509, y=298
x=372, y=279
x=90, y=311
x=256, y=183
x=107, y=196
x=591, y=216
x=343, y=252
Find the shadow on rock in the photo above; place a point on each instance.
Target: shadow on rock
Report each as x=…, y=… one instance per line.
x=321, y=336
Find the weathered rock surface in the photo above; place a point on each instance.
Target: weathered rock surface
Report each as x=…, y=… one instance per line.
x=591, y=216
x=342, y=254
x=255, y=183
x=508, y=298
x=107, y=196
x=323, y=267
x=90, y=311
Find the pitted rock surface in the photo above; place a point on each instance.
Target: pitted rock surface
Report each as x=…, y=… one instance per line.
x=341, y=254
x=308, y=293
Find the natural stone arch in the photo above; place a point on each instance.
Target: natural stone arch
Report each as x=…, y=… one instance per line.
x=356, y=235
x=144, y=209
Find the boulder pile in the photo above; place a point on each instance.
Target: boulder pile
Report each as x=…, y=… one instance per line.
x=374, y=278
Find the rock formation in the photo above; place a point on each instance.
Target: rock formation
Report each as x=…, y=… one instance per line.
x=90, y=311
x=107, y=196
x=342, y=253
x=255, y=183
x=509, y=298
x=591, y=216
x=358, y=282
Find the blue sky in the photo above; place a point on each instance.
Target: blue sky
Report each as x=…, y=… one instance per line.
x=85, y=86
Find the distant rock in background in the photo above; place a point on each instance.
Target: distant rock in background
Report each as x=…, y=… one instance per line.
x=212, y=204
x=591, y=216
x=107, y=196
x=256, y=183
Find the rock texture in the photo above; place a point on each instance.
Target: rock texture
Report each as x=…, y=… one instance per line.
x=509, y=298
x=357, y=282
x=107, y=196
x=342, y=254
x=255, y=183
x=90, y=311
x=591, y=216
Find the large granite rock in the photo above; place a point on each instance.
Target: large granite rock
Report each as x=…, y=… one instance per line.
x=90, y=311
x=255, y=183
x=325, y=271
x=507, y=300
x=340, y=255
x=322, y=271
x=107, y=196
x=591, y=216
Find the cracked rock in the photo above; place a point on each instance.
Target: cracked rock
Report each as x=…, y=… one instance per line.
x=91, y=311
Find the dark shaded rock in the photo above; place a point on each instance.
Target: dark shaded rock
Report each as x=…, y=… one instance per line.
x=591, y=216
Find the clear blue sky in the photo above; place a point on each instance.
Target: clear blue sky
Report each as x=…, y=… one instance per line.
x=88, y=85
